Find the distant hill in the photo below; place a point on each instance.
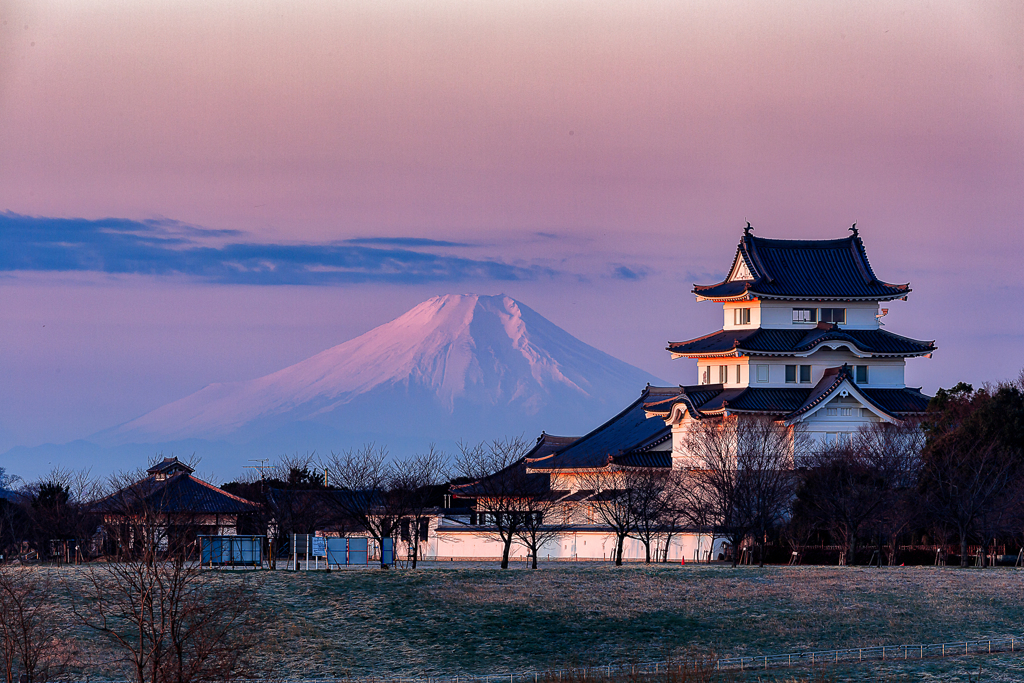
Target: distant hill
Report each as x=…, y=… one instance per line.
x=455, y=367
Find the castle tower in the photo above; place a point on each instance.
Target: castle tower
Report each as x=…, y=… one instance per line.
x=801, y=340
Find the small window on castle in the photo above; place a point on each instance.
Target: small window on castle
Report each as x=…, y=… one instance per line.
x=805, y=374
x=723, y=374
x=833, y=315
x=805, y=315
x=862, y=374
x=846, y=412
x=738, y=379
x=741, y=316
x=762, y=373
x=791, y=374
x=831, y=412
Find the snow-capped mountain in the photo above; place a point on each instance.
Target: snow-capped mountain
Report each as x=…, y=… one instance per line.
x=456, y=367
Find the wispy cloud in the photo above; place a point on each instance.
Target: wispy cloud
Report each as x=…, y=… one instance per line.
x=167, y=247
x=627, y=273
x=406, y=242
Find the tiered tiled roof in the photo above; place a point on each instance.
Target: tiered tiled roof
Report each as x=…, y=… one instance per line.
x=803, y=269
x=787, y=402
x=769, y=342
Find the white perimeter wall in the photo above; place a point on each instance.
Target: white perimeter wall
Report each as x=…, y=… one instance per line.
x=467, y=544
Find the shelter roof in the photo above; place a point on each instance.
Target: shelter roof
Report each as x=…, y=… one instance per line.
x=169, y=466
x=801, y=269
x=179, y=493
x=762, y=341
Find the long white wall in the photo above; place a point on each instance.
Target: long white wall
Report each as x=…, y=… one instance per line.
x=474, y=543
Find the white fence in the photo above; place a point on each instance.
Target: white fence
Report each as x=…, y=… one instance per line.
x=810, y=658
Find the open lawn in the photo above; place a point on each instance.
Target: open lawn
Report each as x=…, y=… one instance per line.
x=476, y=619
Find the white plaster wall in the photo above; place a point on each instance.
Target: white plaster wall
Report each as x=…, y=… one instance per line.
x=729, y=321
x=578, y=545
x=779, y=314
x=882, y=372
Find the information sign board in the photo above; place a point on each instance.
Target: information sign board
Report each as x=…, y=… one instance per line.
x=319, y=546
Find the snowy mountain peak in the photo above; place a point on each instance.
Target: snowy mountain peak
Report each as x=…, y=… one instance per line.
x=453, y=362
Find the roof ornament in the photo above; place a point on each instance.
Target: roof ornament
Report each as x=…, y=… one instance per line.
x=746, y=230
x=853, y=229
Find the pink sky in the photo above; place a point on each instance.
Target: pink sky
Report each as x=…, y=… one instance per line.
x=633, y=134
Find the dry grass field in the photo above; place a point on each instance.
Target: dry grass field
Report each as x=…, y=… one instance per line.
x=459, y=619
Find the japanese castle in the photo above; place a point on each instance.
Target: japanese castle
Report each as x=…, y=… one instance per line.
x=801, y=341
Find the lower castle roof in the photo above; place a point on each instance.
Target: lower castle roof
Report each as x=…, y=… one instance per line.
x=787, y=402
x=761, y=341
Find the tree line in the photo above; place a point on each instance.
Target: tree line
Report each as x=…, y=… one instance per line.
x=951, y=478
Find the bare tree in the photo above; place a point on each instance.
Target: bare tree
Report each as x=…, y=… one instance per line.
x=171, y=621
x=420, y=480
x=652, y=504
x=692, y=506
x=741, y=475
x=544, y=518
x=711, y=447
x=614, y=502
x=499, y=485
x=59, y=506
x=30, y=627
x=963, y=483
x=841, y=490
x=765, y=452
x=373, y=495
x=972, y=458
x=893, y=452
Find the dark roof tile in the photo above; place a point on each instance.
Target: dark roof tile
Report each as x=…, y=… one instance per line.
x=810, y=269
x=628, y=431
x=770, y=341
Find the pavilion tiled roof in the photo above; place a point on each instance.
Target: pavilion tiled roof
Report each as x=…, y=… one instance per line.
x=804, y=269
x=178, y=494
x=761, y=341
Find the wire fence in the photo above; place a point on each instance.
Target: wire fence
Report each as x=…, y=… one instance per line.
x=653, y=669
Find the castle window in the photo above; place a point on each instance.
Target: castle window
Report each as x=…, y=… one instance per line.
x=847, y=412
x=805, y=315
x=738, y=380
x=831, y=412
x=833, y=315
x=805, y=374
x=762, y=373
x=723, y=374
x=741, y=316
x=791, y=374
x=862, y=374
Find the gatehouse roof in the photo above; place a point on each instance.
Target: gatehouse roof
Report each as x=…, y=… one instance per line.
x=625, y=440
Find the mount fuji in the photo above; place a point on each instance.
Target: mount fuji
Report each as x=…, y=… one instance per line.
x=454, y=368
